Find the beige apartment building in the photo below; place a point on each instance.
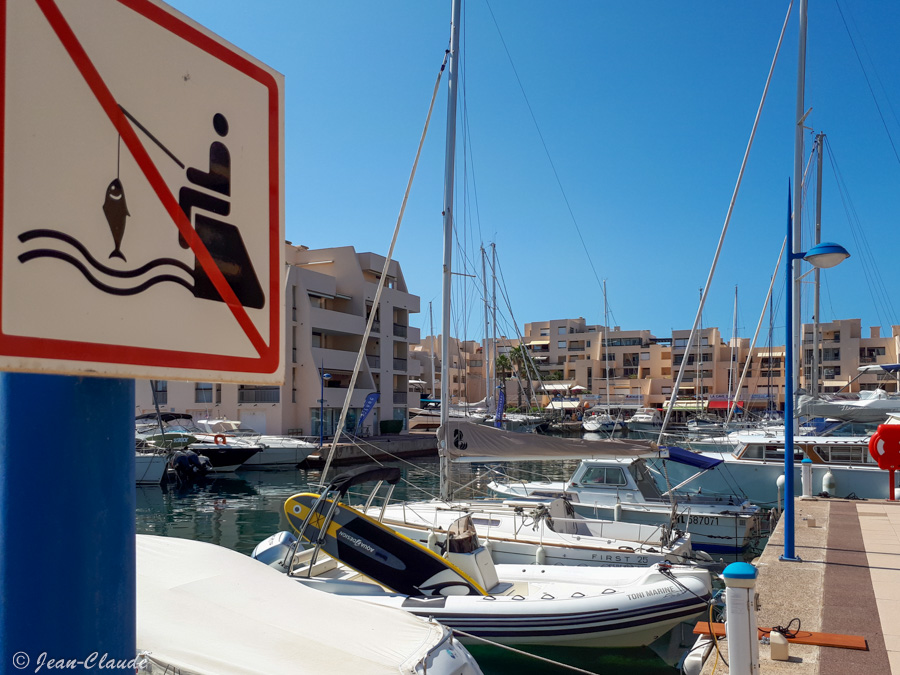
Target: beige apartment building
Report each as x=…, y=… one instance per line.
x=328, y=298
x=581, y=364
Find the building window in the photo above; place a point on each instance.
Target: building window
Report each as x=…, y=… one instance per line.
x=160, y=389
x=561, y=330
x=561, y=344
x=831, y=354
x=203, y=392
x=218, y=394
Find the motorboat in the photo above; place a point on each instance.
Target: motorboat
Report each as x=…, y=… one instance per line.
x=465, y=590
x=526, y=532
x=602, y=422
x=841, y=466
x=172, y=431
x=206, y=610
x=277, y=451
x=620, y=486
x=645, y=420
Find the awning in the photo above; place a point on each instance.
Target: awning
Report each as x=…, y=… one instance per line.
x=556, y=387
x=775, y=354
x=562, y=405
x=687, y=405
x=723, y=405
x=695, y=459
x=578, y=387
x=539, y=342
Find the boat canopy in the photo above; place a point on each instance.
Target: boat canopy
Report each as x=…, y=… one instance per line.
x=469, y=442
x=694, y=459
x=876, y=367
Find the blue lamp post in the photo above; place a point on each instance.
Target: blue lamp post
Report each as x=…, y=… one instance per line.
x=824, y=255
x=325, y=376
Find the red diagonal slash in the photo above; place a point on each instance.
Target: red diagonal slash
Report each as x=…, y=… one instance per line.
x=111, y=108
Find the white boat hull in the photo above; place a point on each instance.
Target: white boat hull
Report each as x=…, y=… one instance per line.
x=149, y=468
x=719, y=529
x=564, y=607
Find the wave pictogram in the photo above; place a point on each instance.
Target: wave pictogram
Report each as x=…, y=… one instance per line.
x=93, y=270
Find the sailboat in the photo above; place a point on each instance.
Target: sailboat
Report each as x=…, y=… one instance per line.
x=602, y=419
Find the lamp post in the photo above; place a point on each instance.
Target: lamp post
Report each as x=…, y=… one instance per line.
x=823, y=256
x=325, y=376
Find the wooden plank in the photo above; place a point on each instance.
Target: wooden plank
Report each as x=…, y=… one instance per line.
x=804, y=637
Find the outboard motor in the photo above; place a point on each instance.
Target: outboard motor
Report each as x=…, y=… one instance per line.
x=275, y=550
x=189, y=466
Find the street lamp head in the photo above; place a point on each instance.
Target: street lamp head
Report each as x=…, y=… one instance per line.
x=825, y=255
x=326, y=376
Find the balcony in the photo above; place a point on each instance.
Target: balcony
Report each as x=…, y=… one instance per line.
x=259, y=395
x=399, y=330
x=400, y=365
x=401, y=397
x=331, y=321
x=373, y=361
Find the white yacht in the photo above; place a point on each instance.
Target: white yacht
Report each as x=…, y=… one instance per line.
x=276, y=451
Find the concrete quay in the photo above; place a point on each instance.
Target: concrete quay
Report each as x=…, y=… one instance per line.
x=382, y=448
x=847, y=583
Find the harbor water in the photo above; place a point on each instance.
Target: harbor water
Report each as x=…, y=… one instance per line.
x=239, y=510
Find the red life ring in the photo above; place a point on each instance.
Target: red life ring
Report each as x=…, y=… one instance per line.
x=220, y=439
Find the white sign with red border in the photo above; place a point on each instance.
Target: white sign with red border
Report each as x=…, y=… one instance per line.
x=142, y=217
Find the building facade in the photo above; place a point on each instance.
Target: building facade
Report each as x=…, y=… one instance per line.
x=329, y=295
x=581, y=364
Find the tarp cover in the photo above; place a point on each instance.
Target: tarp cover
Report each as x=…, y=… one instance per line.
x=206, y=609
x=468, y=442
x=692, y=458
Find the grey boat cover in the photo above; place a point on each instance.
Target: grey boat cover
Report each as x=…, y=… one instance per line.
x=469, y=442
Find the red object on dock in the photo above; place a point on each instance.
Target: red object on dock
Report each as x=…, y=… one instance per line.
x=884, y=446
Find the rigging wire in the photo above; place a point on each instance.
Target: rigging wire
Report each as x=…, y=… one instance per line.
x=544, y=144
x=881, y=297
x=868, y=82
x=674, y=397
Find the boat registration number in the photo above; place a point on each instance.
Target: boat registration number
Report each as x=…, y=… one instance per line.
x=699, y=520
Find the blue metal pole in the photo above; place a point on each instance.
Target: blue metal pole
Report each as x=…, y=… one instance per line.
x=67, y=522
x=789, y=394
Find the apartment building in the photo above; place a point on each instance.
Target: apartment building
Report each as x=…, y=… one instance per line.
x=586, y=364
x=328, y=298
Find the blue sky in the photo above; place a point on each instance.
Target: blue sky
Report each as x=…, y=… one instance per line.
x=645, y=111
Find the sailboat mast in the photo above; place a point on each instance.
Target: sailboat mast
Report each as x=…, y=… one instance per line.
x=814, y=367
x=790, y=425
x=733, y=361
x=487, y=346
x=493, y=397
x=431, y=333
x=449, y=175
x=606, y=344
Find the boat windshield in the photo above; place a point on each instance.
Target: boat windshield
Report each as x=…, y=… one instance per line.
x=641, y=474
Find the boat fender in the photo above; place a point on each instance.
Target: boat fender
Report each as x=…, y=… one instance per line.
x=829, y=484
x=431, y=542
x=540, y=555
x=779, y=485
x=617, y=512
x=220, y=439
